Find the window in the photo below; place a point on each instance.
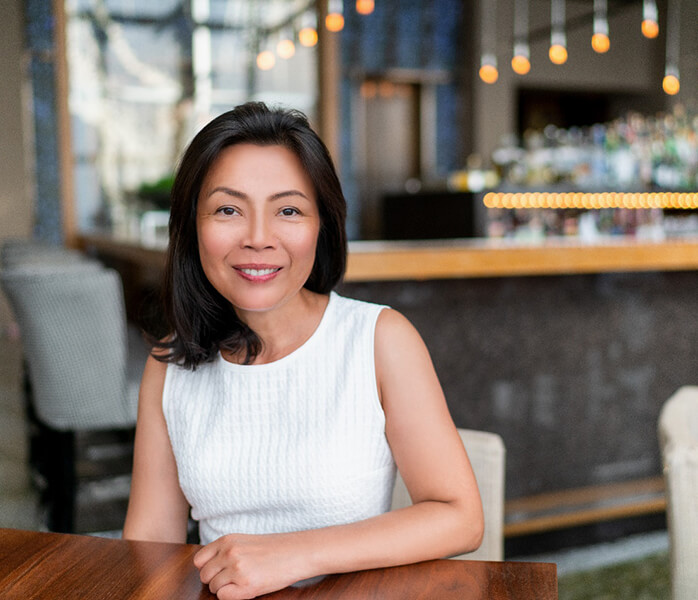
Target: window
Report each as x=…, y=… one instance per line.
x=146, y=74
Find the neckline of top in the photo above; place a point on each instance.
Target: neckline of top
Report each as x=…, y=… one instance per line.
x=291, y=356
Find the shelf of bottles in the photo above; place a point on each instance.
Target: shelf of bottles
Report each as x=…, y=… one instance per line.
x=636, y=176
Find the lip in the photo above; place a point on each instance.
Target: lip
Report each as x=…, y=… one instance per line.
x=242, y=270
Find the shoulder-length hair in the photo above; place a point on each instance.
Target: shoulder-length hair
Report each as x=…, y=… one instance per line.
x=201, y=321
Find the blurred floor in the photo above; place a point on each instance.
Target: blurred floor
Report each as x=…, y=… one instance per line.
x=596, y=556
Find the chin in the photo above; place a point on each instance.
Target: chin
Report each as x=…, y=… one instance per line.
x=260, y=302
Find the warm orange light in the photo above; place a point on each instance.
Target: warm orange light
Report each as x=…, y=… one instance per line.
x=266, y=60
x=489, y=73
x=334, y=22
x=554, y=200
x=671, y=85
x=307, y=36
x=520, y=64
x=365, y=7
x=369, y=89
x=557, y=54
x=650, y=29
x=600, y=42
x=285, y=49
x=386, y=89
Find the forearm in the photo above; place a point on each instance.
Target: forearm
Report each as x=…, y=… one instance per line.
x=423, y=531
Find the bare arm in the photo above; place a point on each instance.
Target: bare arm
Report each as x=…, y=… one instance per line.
x=445, y=519
x=157, y=509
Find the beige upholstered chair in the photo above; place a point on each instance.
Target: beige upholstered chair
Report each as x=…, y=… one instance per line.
x=487, y=456
x=678, y=441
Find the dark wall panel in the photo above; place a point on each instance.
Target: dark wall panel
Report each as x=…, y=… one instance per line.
x=572, y=371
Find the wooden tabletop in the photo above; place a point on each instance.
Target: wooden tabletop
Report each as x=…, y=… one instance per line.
x=47, y=566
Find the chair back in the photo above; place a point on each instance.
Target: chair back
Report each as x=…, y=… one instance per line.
x=678, y=441
x=17, y=253
x=73, y=325
x=487, y=456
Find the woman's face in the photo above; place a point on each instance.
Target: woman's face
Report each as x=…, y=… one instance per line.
x=257, y=222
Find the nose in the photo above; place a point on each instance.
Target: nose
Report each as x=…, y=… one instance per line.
x=258, y=234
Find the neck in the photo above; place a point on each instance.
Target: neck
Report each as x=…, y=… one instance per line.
x=285, y=328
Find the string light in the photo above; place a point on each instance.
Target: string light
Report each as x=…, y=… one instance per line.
x=365, y=7
x=488, y=68
x=521, y=62
x=266, y=60
x=600, y=41
x=285, y=47
x=488, y=58
x=558, y=40
x=334, y=21
x=307, y=35
x=670, y=83
x=650, y=23
x=592, y=200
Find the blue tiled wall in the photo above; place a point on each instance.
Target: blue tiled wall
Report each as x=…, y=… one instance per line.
x=402, y=34
x=39, y=26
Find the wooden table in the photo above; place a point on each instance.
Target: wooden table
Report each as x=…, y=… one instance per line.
x=44, y=566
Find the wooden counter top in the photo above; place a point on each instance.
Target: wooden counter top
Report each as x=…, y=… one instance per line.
x=463, y=258
x=375, y=261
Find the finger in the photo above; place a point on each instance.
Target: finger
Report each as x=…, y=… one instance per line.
x=204, y=555
x=225, y=578
x=233, y=592
x=208, y=571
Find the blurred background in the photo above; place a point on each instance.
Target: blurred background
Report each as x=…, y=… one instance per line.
x=521, y=181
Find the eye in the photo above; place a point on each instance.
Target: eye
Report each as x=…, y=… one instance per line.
x=289, y=211
x=228, y=211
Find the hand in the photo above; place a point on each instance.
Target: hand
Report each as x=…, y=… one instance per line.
x=238, y=566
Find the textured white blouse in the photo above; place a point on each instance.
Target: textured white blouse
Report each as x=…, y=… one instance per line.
x=285, y=446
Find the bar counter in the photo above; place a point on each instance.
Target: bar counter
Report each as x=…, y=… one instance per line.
x=465, y=258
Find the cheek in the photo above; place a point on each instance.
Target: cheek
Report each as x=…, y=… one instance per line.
x=213, y=242
x=305, y=246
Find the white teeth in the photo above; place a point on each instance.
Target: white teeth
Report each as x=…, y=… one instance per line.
x=259, y=272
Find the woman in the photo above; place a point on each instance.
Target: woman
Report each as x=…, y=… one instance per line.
x=277, y=410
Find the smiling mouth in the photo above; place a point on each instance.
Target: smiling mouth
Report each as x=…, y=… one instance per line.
x=259, y=272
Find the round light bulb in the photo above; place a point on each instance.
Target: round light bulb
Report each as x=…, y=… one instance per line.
x=557, y=54
x=671, y=85
x=334, y=22
x=365, y=7
x=307, y=37
x=285, y=49
x=266, y=60
x=600, y=42
x=520, y=64
x=650, y=29
x=489, y=73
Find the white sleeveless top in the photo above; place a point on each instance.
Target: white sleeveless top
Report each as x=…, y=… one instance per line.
x=295, y=444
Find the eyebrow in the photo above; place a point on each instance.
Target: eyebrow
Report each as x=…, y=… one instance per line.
x=243, y=196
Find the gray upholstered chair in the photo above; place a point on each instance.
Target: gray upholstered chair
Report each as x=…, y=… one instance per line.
x=16, y=253
x=487, y=456
x=678, y=441
x=82, y=373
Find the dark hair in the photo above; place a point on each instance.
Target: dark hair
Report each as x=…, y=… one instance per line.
x=201, y=321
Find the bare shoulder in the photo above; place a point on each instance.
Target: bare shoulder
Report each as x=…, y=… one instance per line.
x=155, y=368
x=396, y=335
x=153, y=382
x=403, y=363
